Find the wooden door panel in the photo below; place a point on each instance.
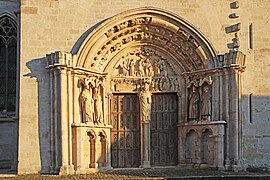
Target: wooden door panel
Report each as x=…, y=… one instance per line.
x=125, y=143
x=164, y=131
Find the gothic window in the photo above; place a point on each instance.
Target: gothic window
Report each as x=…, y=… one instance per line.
x=8, y=66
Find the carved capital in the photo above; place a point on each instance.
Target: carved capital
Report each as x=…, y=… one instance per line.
x=59, y=58
x=235, y=60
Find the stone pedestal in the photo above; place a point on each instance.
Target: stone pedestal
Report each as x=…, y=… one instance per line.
x=87, y=147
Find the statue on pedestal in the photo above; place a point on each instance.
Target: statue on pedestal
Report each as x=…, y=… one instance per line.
x=87, y=103
x=145, y=97
x=194, y=100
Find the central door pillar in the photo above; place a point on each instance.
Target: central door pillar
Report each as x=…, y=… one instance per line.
x=145, y=97
x=146, y=144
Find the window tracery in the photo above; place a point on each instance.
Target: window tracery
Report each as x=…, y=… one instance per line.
x=8, y=64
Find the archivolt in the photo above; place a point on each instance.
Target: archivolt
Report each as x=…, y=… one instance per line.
x=148, y=27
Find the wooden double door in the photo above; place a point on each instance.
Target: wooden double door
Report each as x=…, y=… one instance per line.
x=126, y=130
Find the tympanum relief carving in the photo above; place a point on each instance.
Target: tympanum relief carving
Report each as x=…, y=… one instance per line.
x=91, y=100
x=200, y=99
x=144, y=63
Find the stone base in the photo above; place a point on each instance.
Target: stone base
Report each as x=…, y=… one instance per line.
x=65, y=170
x=146, y=164
x=93, y=165
x=182, y=165
x=45, y=170
x=54, y=170
x=237, y=168
x=227, y=165
x=221, y=168
x=93, y=170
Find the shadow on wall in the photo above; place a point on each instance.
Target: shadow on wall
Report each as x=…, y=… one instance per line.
x=39, y=72
x=256, y=132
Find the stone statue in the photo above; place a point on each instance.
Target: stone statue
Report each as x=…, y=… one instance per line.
x=132, y=68
x=122, y=70
x=145, y=103
x=164, y=84
x=156, y=68
x=87, y=103
x=148, y=69
x=163, y=69
x=194, y=100
x=98, y=105
x=140, y=71
x=112, y=85
x=206, y=103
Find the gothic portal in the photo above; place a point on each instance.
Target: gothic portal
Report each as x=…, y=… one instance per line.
x=141, y=89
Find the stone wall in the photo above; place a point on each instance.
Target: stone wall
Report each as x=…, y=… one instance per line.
x=50, y=25
x=256, y=96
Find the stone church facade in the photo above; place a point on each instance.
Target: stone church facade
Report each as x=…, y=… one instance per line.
x=96, y=85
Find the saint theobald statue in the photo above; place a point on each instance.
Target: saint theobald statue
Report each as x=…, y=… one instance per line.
x=206, y=103
x=145, y=103
x=87, y=103
x=98, y=105
x=194, y=99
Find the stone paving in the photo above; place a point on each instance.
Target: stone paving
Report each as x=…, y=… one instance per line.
x=151, y=174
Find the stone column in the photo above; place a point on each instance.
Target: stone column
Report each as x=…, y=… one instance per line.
x=181, y=119
x=145, y=97
x=240, y=117
x=79, y=145
x=216, y=98
x=227, y=131
x=110, y=96
x=66, y=168
x=235, y=116
x=70, y=115
x=220, y=146
x=76, y=106
x=108, y=154
x=63, y=119
x=52, y=124
x=146, y=144
x=56, y=119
